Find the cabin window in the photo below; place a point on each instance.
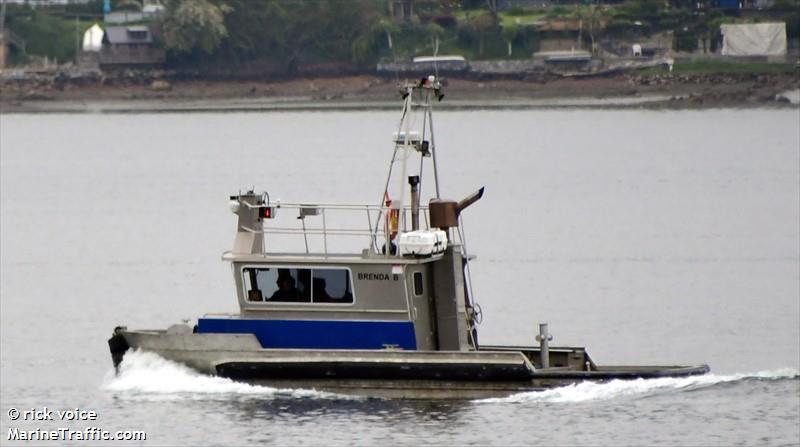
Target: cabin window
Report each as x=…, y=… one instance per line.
x=418, y=290
x=331, y=286
x=291, y=285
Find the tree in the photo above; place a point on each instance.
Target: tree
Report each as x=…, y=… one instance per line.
x=194, y=25
x=367, y=46
x=291, y=33
x=482, y=24
x=436, y=32
x=402, y=10
x=510, y=32
x=590, y=17
x=128, y=5
x=492, y=5
x=389, y=28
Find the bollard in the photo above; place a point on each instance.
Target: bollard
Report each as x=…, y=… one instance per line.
x=544, y=338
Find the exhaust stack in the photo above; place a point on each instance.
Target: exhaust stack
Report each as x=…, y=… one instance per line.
x=414, y=182
x=444, y=213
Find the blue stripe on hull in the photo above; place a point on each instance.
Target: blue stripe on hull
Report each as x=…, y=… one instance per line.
x=309, y=334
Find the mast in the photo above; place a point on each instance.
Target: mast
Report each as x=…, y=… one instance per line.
x=408, y=143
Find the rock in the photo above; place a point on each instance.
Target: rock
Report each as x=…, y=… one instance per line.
x=160, y=85
x=33, y=95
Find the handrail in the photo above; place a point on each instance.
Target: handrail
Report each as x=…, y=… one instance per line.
x=300, y=231
x=374, y=227
x=331, y=206
x=339, y=206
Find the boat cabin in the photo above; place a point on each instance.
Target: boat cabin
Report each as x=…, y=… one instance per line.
x=365, y=299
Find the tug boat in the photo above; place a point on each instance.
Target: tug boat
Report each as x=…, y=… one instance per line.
x=367, y=299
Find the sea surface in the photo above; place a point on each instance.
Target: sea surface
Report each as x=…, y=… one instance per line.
x=650, y=237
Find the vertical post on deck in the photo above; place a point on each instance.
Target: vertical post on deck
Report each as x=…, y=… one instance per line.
x=544, y=338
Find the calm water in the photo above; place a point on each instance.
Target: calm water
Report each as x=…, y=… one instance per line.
x=647, y=236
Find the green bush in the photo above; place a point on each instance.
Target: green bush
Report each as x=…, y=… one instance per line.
x=685, y=41
x=626, y=28
x=516, y=11
x=46, y=34
x=91, y=7
x=792, y=24
x=722, y=67
x=786, y=5
x=467, y=35
x=557, y=11
x=643, y=9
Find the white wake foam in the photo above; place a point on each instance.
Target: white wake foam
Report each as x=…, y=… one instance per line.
x=144, y=375
x=147, y=375
x=591, y=391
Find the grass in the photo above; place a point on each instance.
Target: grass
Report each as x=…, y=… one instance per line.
x=527, y=19
x=49, y=35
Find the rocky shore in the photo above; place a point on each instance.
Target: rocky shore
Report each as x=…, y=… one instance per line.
x=152, y=91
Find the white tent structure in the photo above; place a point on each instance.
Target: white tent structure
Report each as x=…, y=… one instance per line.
x=754, y=39
x=93, y=38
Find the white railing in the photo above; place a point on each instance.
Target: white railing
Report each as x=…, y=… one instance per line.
x=329, y=224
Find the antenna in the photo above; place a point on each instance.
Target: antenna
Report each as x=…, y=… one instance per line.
x=407, y=143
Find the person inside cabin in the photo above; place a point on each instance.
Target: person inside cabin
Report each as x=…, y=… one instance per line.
x=320, y=291
x=286, y=289
x=304, y=285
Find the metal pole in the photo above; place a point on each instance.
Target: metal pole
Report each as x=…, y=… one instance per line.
x=372, y=236
x=406, y=108
x=387, y=234
x=324, y=232
x=414, y=182
x=433, y=149
x=544, y=338
x=424, y=133
x=305, y=235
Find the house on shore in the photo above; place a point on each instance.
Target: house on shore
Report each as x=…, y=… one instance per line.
x=561, y=46
x=125, y=47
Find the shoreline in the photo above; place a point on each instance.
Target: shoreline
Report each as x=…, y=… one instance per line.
x=142, y=95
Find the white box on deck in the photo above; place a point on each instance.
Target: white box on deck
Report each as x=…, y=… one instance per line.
x=423, y=242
